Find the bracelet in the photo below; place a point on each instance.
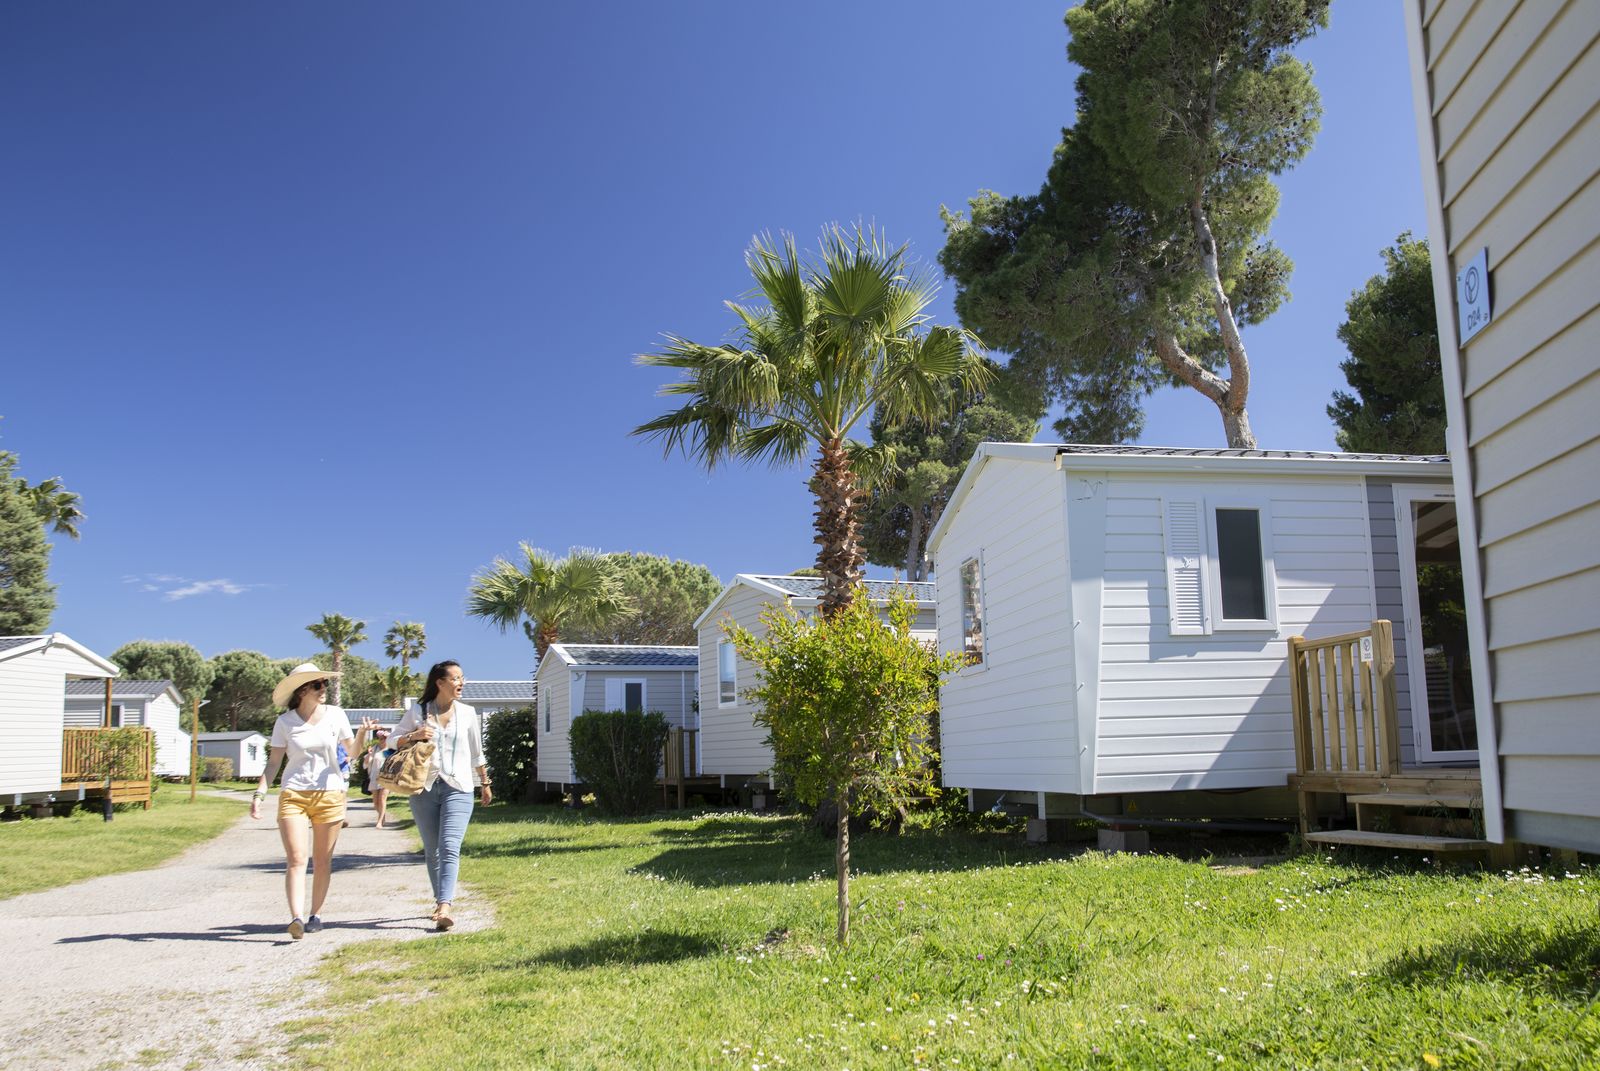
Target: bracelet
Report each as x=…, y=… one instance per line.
x=259, y=794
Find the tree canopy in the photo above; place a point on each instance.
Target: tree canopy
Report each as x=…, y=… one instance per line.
x=1143, y=255
x=1392, y=334
x=547, y=595
x=240, y=693
x=27, y=598
x=828, y=341
x=405, y=640
x=666, y=596
x=340, y=633
x=172, y=660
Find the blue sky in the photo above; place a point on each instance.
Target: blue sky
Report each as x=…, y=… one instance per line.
x=321, y=307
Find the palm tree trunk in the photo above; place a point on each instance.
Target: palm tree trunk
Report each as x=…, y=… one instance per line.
x=842, y=862
x=543, y=637
x=841, y=555
x=338, y=667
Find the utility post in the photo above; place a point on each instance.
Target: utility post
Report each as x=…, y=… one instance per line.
x=194, y=748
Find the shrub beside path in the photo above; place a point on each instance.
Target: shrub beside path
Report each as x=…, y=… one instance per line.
x=188, y=965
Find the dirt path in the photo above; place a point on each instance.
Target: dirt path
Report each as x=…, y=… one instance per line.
x=188, y=965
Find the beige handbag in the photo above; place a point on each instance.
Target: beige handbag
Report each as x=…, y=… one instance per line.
x=406, y=771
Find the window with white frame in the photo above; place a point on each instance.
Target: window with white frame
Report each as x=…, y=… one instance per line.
x=727, y=674
x=1219, y=567
x=625, y=694
x=546, y=700
x=250, y=751
x=972, y=612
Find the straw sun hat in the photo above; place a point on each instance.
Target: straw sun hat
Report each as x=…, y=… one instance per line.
x=304, y=673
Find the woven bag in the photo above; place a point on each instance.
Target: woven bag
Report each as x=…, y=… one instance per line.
x=406, y=771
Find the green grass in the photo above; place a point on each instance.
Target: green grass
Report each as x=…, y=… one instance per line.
x=707, y=942
x=44, y=853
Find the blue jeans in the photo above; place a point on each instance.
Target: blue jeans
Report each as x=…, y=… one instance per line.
x=442, y=814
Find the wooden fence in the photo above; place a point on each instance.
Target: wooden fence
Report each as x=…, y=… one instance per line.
x=1345, y=712
x=77, y=748
x=677, y=765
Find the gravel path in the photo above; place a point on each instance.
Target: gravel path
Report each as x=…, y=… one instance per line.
x=188, y=965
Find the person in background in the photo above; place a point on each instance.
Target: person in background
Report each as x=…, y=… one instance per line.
x=444, y=806
x=306, y=740
x=380, y=795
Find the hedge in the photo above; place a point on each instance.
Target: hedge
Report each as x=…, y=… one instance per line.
x=617, y=753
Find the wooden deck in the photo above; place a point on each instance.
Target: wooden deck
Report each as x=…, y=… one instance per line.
x=1347, y=743
x=79, y=748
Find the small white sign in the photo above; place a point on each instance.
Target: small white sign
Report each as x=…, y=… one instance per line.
x=1472, y=296
x=1366, y=648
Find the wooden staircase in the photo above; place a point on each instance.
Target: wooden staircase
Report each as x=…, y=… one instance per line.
x=1347, y=743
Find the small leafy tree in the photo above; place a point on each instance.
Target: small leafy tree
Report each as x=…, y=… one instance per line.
x=116, y=755
x=847, y=702
x=511, y=748
x=617, y=753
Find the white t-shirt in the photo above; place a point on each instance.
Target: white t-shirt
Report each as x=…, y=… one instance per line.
x=458, y=747
x=313, y=748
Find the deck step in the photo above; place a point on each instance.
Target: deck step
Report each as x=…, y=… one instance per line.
x=1420, y=799
x=1366, y=838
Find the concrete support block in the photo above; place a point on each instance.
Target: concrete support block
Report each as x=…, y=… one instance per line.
x=1124, y=840
x=1049, y=830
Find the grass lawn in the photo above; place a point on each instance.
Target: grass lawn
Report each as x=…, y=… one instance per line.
x=44, y=853
x=707, y=942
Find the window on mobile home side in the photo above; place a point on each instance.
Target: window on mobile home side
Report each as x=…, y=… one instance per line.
x=972, y=612
x=727, y=674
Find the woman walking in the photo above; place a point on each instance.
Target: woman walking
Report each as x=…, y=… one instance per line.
x=444, y=806
x=380, y=795
x=311, y=801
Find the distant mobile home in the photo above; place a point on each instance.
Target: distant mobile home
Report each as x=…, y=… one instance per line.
x=573, y=678
x=156, y=705
x=732, y=747
x=247, y=751
x=1127, y=612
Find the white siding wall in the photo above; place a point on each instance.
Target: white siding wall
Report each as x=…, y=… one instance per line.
x=555, y=751
x=730, y=741
x=1511, y=93
x=172, y=743
x=84, y=713
x=671, y=692
x=32, y=688
x=1011, y=723
x=1212, y=711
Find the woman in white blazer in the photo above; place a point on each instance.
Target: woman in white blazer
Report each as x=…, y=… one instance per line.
x=444, y=806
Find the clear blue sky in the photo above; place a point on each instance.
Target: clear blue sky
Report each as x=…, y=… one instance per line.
x=321, y=307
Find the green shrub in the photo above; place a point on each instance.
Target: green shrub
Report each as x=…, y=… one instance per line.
x=215, y=768
x=617, y=753
x=511, y=749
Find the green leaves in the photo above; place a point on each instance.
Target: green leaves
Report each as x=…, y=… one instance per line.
x=580, y=589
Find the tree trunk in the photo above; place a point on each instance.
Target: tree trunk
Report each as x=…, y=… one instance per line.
x=1235, y=422
x=333, y=682
x=914, y=554
x=842, y=862
x=841, y=555
x=543, y=636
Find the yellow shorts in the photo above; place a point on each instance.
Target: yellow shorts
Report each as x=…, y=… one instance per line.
x=319, y=805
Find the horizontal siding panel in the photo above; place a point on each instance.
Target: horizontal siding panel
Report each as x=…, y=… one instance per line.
x=1189, y=782
x=1276, y=759
x=1551, y=670
x=1558, y=365
x=1179, y=723
x=1511, y=45
x=1540, y=495
x=1547, y=432
x=1326, y=542
x=1185, y=706
x=1193, y=669
x=1566, y=545
x=1176, y=652
x=1275, y=688
x=1127, y=526
x=1549, y=611
x=1556, y=784
x=1461, y=43
x=1567, y=726
x=1472, y=192
x=1244, y=740
x=1317, y=526
x=1297, y=564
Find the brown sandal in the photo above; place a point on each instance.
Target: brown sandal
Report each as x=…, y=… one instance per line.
x=442, y=921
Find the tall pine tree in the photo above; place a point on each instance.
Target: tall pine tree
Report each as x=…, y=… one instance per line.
x=27, y=598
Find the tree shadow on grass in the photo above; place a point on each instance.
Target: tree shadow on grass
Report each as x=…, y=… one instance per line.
x=1563, y=961
x=630, y=949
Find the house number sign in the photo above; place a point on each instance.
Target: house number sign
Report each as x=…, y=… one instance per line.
x=1472, y=296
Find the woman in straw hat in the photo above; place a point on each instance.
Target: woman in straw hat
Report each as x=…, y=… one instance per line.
x=444, y=806
x=308, y=734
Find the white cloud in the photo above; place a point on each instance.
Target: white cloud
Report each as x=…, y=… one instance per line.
x=186, y=587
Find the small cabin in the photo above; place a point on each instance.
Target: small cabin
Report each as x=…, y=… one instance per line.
x=1127, y=614
x=35, y=673
x=246, y=751
x=573, y=678
x=154, y=705
x=732, y=747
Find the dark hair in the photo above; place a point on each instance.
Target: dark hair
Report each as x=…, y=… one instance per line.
x=430, y=691
x=294, y=697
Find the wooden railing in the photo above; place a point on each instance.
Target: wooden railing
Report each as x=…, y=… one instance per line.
x=1343, y=694
x=677, y=764
x=77, y=746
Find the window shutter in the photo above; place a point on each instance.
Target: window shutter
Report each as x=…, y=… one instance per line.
x=1186, y=557
x=613, y=694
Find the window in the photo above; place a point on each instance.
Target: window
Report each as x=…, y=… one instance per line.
x=1219, y=567
x=546, y=700
x=727, y=674
x=116, y=715
x=972, y=612
x=250, y=752
x=624, y=694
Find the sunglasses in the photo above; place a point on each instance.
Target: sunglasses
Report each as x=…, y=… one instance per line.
x=320, y=686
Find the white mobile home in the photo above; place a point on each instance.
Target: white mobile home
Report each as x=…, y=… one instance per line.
x=732, y=747
x=1127, y=611
x=573, y=678
x=489, y=698
x=34, y=673
x=1509, y=138
x=247, y=751
x=155, y=705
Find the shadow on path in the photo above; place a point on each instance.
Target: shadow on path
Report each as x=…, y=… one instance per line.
x=254, y=932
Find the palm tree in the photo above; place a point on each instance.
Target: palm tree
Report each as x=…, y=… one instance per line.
x=340, y=633
x=395, y=682
x=579, y=590
x=55, y=506
x=405, y=640
x=828, y=341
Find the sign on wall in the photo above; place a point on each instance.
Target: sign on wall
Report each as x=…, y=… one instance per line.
x=1472, y=296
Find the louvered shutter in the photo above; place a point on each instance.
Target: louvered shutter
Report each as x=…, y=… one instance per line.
x=1186, y=563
